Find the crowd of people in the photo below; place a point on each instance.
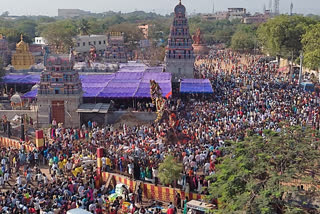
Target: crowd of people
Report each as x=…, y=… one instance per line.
x=249, y=96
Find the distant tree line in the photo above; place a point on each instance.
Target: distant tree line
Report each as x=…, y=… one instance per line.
x=282, y=36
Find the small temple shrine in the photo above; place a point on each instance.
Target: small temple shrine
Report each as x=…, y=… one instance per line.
x=116, y=51
x=22, y=59
x=199, y=46
x=179, y=57
x=59, y=92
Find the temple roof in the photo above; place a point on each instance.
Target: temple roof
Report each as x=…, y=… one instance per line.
x=22, y=45
x=180, y=8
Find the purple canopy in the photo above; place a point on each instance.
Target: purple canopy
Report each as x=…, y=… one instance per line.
x=31, y=94
x=21, y=79
x=196, y=86
x=119, y=85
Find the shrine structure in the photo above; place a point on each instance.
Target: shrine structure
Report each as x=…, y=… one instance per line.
x=22, y=59
x=179, y=57
x=4, y=50
x=116, y=51
x=60, y=92
x=199, y=46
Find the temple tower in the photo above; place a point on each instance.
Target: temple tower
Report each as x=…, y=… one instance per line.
x=59, y=93
x=4, y=50
x=116, y=51
x=22, y=59
x=179, y=58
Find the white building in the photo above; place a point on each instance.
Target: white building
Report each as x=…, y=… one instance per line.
x=237, y=13
x=84, y=43
x=40, y=41
x=70, y=13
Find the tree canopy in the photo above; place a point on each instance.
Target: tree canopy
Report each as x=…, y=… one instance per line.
x=60, y=35
x=311, y=47
x=250, y=177
x=281, y=36
x=84, y=27
x=244, y=39
x=169, y=170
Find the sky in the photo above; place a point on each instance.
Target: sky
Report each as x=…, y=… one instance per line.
x=50, y=7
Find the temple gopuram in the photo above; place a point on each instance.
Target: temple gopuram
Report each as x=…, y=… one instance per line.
x=22, y=59
x=60, y=92
x=199, y=46
x=179, y=58
x=4, y=50
x=116, y=51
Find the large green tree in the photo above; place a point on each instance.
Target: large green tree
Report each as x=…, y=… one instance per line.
x=27, y=27
x=169, y=170
x=311, y=47
x=281, y=36
x=244, y=39
x=84, y=27
x=250, y=177
x=60, y=35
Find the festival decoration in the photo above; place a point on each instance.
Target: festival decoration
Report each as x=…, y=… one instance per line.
x=157, y=99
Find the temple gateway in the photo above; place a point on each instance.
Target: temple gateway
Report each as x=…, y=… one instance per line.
x=179, y=57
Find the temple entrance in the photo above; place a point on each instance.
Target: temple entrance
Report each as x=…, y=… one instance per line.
x=58, y=111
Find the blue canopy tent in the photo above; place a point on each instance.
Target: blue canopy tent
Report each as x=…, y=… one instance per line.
x=119, y=85
x=196, y=86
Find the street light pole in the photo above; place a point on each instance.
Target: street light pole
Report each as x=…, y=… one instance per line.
x=300, y=72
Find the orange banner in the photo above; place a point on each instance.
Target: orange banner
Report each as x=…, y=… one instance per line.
x=150, y=191
x=7, y=142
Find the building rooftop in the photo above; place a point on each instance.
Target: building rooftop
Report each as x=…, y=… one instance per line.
x=94, y=108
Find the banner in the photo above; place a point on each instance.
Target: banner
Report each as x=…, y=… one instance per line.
x=151, y=191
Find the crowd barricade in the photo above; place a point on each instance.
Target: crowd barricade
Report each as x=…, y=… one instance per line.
x=7, y=142
x=151, y=191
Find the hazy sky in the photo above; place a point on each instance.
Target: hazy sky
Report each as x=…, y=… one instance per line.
x=50, y=7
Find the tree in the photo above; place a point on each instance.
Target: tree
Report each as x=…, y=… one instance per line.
x=250, y=177
x=84, y=27
x=60, y=35
x=27, y=27
x=281, y=36
x=169, y=170
x=244, y=39
x=5, y=14
x=311, y=47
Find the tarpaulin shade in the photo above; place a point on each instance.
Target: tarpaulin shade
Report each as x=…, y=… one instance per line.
x=31, y=94
x=91, y=91
x=196, y=86
x=118, y=85
x=21, y=79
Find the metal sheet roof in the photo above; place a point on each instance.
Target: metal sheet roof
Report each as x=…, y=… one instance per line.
x=101, y=108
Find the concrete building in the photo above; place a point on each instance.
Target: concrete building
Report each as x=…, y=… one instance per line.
x=40, y=41
x=70, y=13
x=216, y=16
x=237, y=13
x=59, y=93
x=179, y=57
x=231, y=14
x=84, y=43
x=256, y=19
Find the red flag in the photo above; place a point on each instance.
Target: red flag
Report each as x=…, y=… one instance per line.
x=169, y=94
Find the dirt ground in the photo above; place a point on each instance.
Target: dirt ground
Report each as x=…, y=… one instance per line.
x=129, y=120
